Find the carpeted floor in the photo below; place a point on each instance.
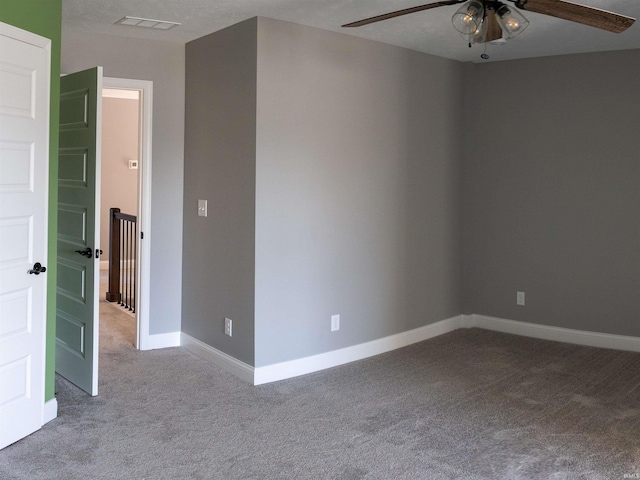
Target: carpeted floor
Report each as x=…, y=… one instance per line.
x=471, y=404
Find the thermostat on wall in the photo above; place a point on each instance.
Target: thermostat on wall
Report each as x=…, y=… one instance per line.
x=133, y=164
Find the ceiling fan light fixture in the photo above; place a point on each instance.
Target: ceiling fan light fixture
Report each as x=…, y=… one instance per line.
x=511, y=21
x=478, y=36
x=489, y=30
x=468, y=18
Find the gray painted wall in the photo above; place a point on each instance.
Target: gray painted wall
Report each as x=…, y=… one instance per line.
x=552, y=191
x=162, y=63
x=357, y=190
x=345, y=183
x=220, y=156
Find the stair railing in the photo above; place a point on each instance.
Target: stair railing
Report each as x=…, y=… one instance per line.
x=123, y=239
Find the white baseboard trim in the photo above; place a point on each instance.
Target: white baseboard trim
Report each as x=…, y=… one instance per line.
x=314, y=363
x=557, y=334
x=226, y=362
x=468, y=321
x=50, y=410
x=160, y=340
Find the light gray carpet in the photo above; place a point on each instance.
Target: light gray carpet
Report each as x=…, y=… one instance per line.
x=471, y=404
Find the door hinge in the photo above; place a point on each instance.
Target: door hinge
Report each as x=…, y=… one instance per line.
x=141, y=235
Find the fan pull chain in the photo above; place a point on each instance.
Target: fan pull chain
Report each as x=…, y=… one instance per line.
x=484, y=56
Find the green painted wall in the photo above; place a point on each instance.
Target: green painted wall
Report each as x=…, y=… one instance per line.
x=44, y=17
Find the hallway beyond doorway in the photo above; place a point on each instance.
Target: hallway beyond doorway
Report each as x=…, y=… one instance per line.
x=115, y=321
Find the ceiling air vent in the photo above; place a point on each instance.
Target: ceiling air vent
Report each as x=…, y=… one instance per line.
x=147, y=23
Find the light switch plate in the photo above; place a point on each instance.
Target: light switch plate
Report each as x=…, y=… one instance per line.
x=202, y=208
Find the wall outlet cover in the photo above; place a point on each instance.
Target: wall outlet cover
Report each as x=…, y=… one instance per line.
x=335, y=323
x=228, y=327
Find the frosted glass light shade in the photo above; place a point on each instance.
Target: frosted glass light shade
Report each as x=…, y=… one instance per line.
x=479, y=36
x=489, y=31
x=511, y=21
x=468, y=18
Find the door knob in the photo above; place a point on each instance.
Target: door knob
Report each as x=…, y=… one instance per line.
x=37, y=269
x=87, y=252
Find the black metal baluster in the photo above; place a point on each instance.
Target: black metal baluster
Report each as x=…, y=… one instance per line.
x=135, y=264
x=123, y=256
x=129, y=285
x=126, y=278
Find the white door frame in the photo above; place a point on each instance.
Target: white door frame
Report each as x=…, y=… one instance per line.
x=143, y=257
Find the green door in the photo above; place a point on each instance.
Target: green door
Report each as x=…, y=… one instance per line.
x=78, y=229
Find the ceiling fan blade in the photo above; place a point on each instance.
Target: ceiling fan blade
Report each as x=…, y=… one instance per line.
x=594, y=17
x=399, y=13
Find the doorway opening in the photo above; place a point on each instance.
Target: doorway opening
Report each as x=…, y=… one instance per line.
x=119, y=184
x=79, y=218
x=126, y=184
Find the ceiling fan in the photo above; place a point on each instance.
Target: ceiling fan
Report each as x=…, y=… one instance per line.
x=483, y=21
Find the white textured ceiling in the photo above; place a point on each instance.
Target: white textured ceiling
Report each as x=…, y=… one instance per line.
x=428, y=31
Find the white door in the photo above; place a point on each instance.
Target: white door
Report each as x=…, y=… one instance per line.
x=25, y=62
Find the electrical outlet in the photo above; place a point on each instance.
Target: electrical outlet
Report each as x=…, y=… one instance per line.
x=335, y=323
x=202, y=208
x=520, y=298
x=228, y=327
